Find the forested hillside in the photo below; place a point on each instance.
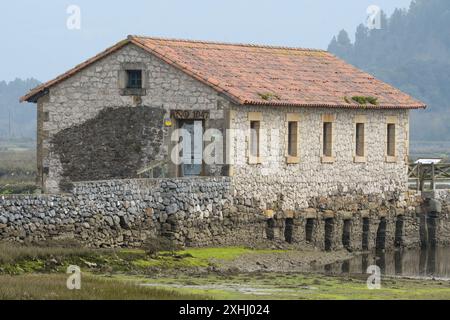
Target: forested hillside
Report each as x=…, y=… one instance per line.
x=412, y=52
x=17, y=120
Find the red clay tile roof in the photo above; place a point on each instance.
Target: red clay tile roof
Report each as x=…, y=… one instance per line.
x=265, y=75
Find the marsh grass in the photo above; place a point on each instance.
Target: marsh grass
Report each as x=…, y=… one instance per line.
x=17, y=171
x=53, y=287
x=54, y=256
x=12, y=253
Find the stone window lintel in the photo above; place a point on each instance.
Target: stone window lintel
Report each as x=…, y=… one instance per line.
x=357, y=159
x=292, y=160
x=360, y=118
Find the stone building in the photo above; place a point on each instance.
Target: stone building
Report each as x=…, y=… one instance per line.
x=287, y=124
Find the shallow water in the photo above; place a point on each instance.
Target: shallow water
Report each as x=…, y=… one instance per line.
x=422, y=263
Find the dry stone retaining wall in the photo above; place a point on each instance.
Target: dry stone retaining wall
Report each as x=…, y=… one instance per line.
x=126, y=212
x=208, y=211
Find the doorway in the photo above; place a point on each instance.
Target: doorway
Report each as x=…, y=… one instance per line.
x=192, y=152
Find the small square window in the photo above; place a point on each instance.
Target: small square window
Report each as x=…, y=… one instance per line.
x=134, y=79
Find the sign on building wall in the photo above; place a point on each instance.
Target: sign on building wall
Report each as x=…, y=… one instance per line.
x=190, y=114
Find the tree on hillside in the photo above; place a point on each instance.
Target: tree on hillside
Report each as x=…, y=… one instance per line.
x=341, y=46
x=412, y=52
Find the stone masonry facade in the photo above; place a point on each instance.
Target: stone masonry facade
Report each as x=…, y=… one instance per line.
x=299, y=182
x=91, y=129
x=85, y=95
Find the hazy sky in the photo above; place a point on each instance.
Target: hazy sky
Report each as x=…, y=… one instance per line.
x=37, y=43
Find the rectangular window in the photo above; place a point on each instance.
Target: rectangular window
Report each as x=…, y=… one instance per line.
x=134, y=79
x=360, y=140
x=254, y=138
x=292, y=138
x=327, y=139
x=391, y=140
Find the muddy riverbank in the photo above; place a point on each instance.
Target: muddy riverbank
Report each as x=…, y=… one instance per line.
x=207, y=273
x=287, y=261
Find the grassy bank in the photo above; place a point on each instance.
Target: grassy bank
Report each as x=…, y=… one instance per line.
x=51, y=257
x=17, y=171
x=39, y=272
x=53, y=287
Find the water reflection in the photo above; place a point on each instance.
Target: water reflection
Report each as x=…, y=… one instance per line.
x=380, y=261
x=398, y=262
x=431, y=262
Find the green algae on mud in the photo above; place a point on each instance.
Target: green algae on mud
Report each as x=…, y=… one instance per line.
x=16, y=260
x=199, y=272
x=198, y=257
x=297, y=286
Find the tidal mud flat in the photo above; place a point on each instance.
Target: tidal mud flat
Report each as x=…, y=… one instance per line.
x=28, y=272
x=405, y=274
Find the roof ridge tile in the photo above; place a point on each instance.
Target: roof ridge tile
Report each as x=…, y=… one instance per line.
x=239, y=44
x=301, y=77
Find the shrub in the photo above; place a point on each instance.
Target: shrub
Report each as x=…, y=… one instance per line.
x=155, y=245
x=365, y=100
x=267, y=96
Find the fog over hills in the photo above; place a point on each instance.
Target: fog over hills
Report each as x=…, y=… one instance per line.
x=412, y=52
x=17, y=120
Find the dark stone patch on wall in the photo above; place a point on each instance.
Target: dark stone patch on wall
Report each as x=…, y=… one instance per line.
x=115, y=144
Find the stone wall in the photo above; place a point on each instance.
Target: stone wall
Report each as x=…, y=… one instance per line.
x=206, y=211
x=310, y=178
x=90, y=94
x=107, y=147
x=89, y=130
x=194, y=212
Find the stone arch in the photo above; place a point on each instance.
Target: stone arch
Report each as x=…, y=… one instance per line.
x=346, y=233
x=365, y=233
x=329, y=231
x=309, y=229
x=381, y=234
x=270, y=229
x=288, y=229
x=399, y=226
